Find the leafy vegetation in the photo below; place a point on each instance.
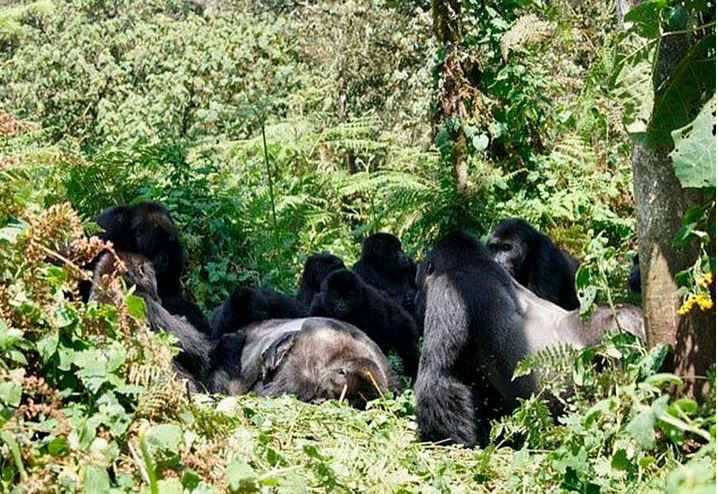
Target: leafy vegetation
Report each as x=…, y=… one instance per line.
x=275, y=129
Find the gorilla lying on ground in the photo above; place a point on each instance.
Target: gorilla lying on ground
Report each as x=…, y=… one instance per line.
x=535, y=261
x=247, y=305
x=315, y=359
x=346, y=297
x=316, y=269
x=479, y=323
x=384, y=266
x=192, y=362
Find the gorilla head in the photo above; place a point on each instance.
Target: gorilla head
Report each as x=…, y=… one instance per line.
x=316, y=269
x=383, y=251
x=535, y=261
x=147, y=228
x=343, y=294
x=324, y=360
x=510, y=242
x=138, y=272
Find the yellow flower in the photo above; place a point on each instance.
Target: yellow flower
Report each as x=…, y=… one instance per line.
x=704, y=301
x=687, y=305
x=705, y=279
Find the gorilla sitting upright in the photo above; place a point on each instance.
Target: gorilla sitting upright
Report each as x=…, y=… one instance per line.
x=535, y=262
x=316, y=268
x=346, y=297
x=479, y=323
x=386, y=267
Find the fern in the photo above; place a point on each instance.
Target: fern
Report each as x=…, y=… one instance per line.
x=553, y=359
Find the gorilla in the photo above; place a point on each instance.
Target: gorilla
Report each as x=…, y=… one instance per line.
x=315, y=359
x=634, y=279
x=147, y=228
x=386, y=267
x=183, y=307
x=316, y=268
x=246, y=305
x=535, y=261
x=226, y=364
x=479, y=323
x=346, y=297
x=193, y=359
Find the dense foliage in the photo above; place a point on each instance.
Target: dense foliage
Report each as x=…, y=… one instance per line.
x=275, y=129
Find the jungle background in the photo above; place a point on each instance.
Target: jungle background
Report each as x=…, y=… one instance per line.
x=274, y=129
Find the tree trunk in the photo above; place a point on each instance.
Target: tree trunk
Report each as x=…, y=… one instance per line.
x=660, y=204
x=446, y=15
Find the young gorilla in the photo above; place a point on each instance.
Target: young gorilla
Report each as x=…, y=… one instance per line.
x=535, y=261
x=386, y=267
x=147, y=228
x=479, y=323
x=316, y=269
x=346, y=297
x=315, y=359
x=247, y=305
x=193, y=359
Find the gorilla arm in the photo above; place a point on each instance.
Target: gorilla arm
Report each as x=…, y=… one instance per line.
x=444, y=404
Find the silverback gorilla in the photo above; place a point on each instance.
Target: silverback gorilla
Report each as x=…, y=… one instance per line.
x=315, y=359
x=193, y=360
x=479, y=323
x=535, y=262
x=384, y=266
x=346, y=297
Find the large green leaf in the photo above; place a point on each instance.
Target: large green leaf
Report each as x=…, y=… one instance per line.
x=681, y=95
x=633, y=83
x=694, y=156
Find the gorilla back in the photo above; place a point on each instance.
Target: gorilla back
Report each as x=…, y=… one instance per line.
x=479, y=323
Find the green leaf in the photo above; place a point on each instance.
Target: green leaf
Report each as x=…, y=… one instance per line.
x=47, y=346
x=10, y=393
x=241, y=477
x=165, y=437
x=633, y=82
x=694, y=156
x=641, y=429
x=96, y=480
x=683, y=94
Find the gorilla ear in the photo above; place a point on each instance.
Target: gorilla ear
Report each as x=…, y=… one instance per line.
x=272, y=357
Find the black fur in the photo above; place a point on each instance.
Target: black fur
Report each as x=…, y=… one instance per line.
x=316, y=269
x=469, y=307
x=193, y=360
x=247, y=305
x=535, y=261
x=479, y=323
x=226, y=364
x=147, y=228
x=183, y=307
x=386, y=267
x=346, y=297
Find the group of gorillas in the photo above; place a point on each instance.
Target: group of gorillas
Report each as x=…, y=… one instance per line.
x=480, y=309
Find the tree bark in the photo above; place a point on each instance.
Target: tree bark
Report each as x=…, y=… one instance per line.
x=660, y=204
x=446, y=15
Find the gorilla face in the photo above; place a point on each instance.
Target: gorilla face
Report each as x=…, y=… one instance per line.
x=342, y=293
x=385, y=250
x=139, y=272
x=508, y=252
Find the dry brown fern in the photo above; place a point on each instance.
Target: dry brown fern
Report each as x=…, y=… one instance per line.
x=527, y=29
